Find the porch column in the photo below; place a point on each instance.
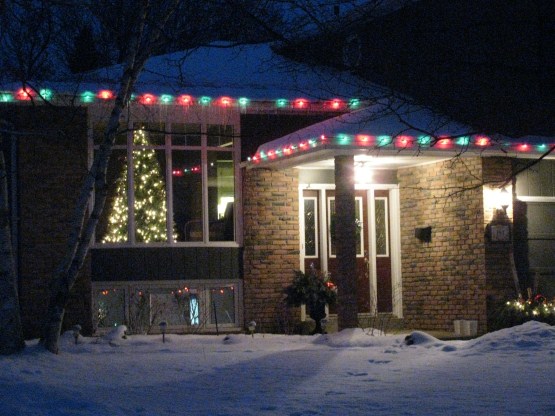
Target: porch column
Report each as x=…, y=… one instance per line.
x=345, y=242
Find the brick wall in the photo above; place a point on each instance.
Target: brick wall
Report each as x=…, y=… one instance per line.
x=51, y=162
x=500, y=284
x=445, y=279
x=271, y=239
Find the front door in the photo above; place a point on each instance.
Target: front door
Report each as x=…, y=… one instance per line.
x=372, y=210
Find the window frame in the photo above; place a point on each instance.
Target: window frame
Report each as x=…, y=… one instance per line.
x=205, y=119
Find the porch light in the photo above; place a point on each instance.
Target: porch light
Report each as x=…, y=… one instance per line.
x=363, y=174
x=505, y=199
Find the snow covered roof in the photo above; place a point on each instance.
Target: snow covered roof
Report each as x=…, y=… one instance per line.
x=391, y=128
x=251, y=71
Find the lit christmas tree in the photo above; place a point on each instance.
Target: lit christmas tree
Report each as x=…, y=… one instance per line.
x=150, y=198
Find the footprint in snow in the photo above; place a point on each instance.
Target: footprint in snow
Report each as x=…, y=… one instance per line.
x=379, y=361
x=356, y=374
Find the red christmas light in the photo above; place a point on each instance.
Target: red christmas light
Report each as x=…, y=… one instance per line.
x=147, y=99
x=482, y=141
x=300, y=103
x=404, y=141
x=225, y=101
x=444, y=143
x=185, y=100
x=24, y=94
x=336, y=104
x=105, y=94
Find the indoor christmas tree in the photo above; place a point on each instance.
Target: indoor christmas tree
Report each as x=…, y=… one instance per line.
x=150, y=198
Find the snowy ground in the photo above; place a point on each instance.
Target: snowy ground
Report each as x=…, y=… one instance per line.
x=349, y=373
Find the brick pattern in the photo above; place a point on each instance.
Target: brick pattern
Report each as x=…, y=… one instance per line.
x=445, y=279
x=271, y=240
x=499, y=273
x=51, y=166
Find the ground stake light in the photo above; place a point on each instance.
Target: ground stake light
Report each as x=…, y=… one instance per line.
x=252, y=327
x=163, y=325
x=76, y=330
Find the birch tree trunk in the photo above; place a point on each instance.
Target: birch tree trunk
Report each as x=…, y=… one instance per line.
x=82, y=225
x=11, y=331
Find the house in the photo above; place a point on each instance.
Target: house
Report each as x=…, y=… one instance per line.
x=225, y=182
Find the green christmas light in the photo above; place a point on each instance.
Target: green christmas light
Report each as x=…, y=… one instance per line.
x=6, y=97
x=87, y=97
x=343, y=139
x=383, y=140
x=166, y=99
x=463, y=141
x=46, y=94
x=354, y=103
x=204, y=100
x=281, y=103
x=243, y=102
x=424, y=140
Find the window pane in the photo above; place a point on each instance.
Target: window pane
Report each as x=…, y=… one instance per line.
x=112, y=227
x=187, y=195
x=149, y=189
x=310, y=227
x=109, y=308
x=220, y=135
x=359, y=227
x=222, y=305
x=98, y=134
x=331, y=225
x=221, y=192
x=186, y=134
x=381, y=226
x=149, y=134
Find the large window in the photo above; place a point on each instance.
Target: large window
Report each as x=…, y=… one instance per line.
x=170, y=183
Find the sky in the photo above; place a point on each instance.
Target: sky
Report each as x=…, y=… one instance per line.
x=352, y=372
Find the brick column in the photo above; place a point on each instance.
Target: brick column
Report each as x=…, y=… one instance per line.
x=271, y=240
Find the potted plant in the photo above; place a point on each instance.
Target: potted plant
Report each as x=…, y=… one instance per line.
x=313, y=289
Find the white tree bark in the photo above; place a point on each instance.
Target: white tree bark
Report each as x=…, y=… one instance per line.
x=83, y=223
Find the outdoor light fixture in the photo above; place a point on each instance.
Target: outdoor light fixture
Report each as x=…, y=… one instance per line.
x=504, y=199
x=163, y=325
